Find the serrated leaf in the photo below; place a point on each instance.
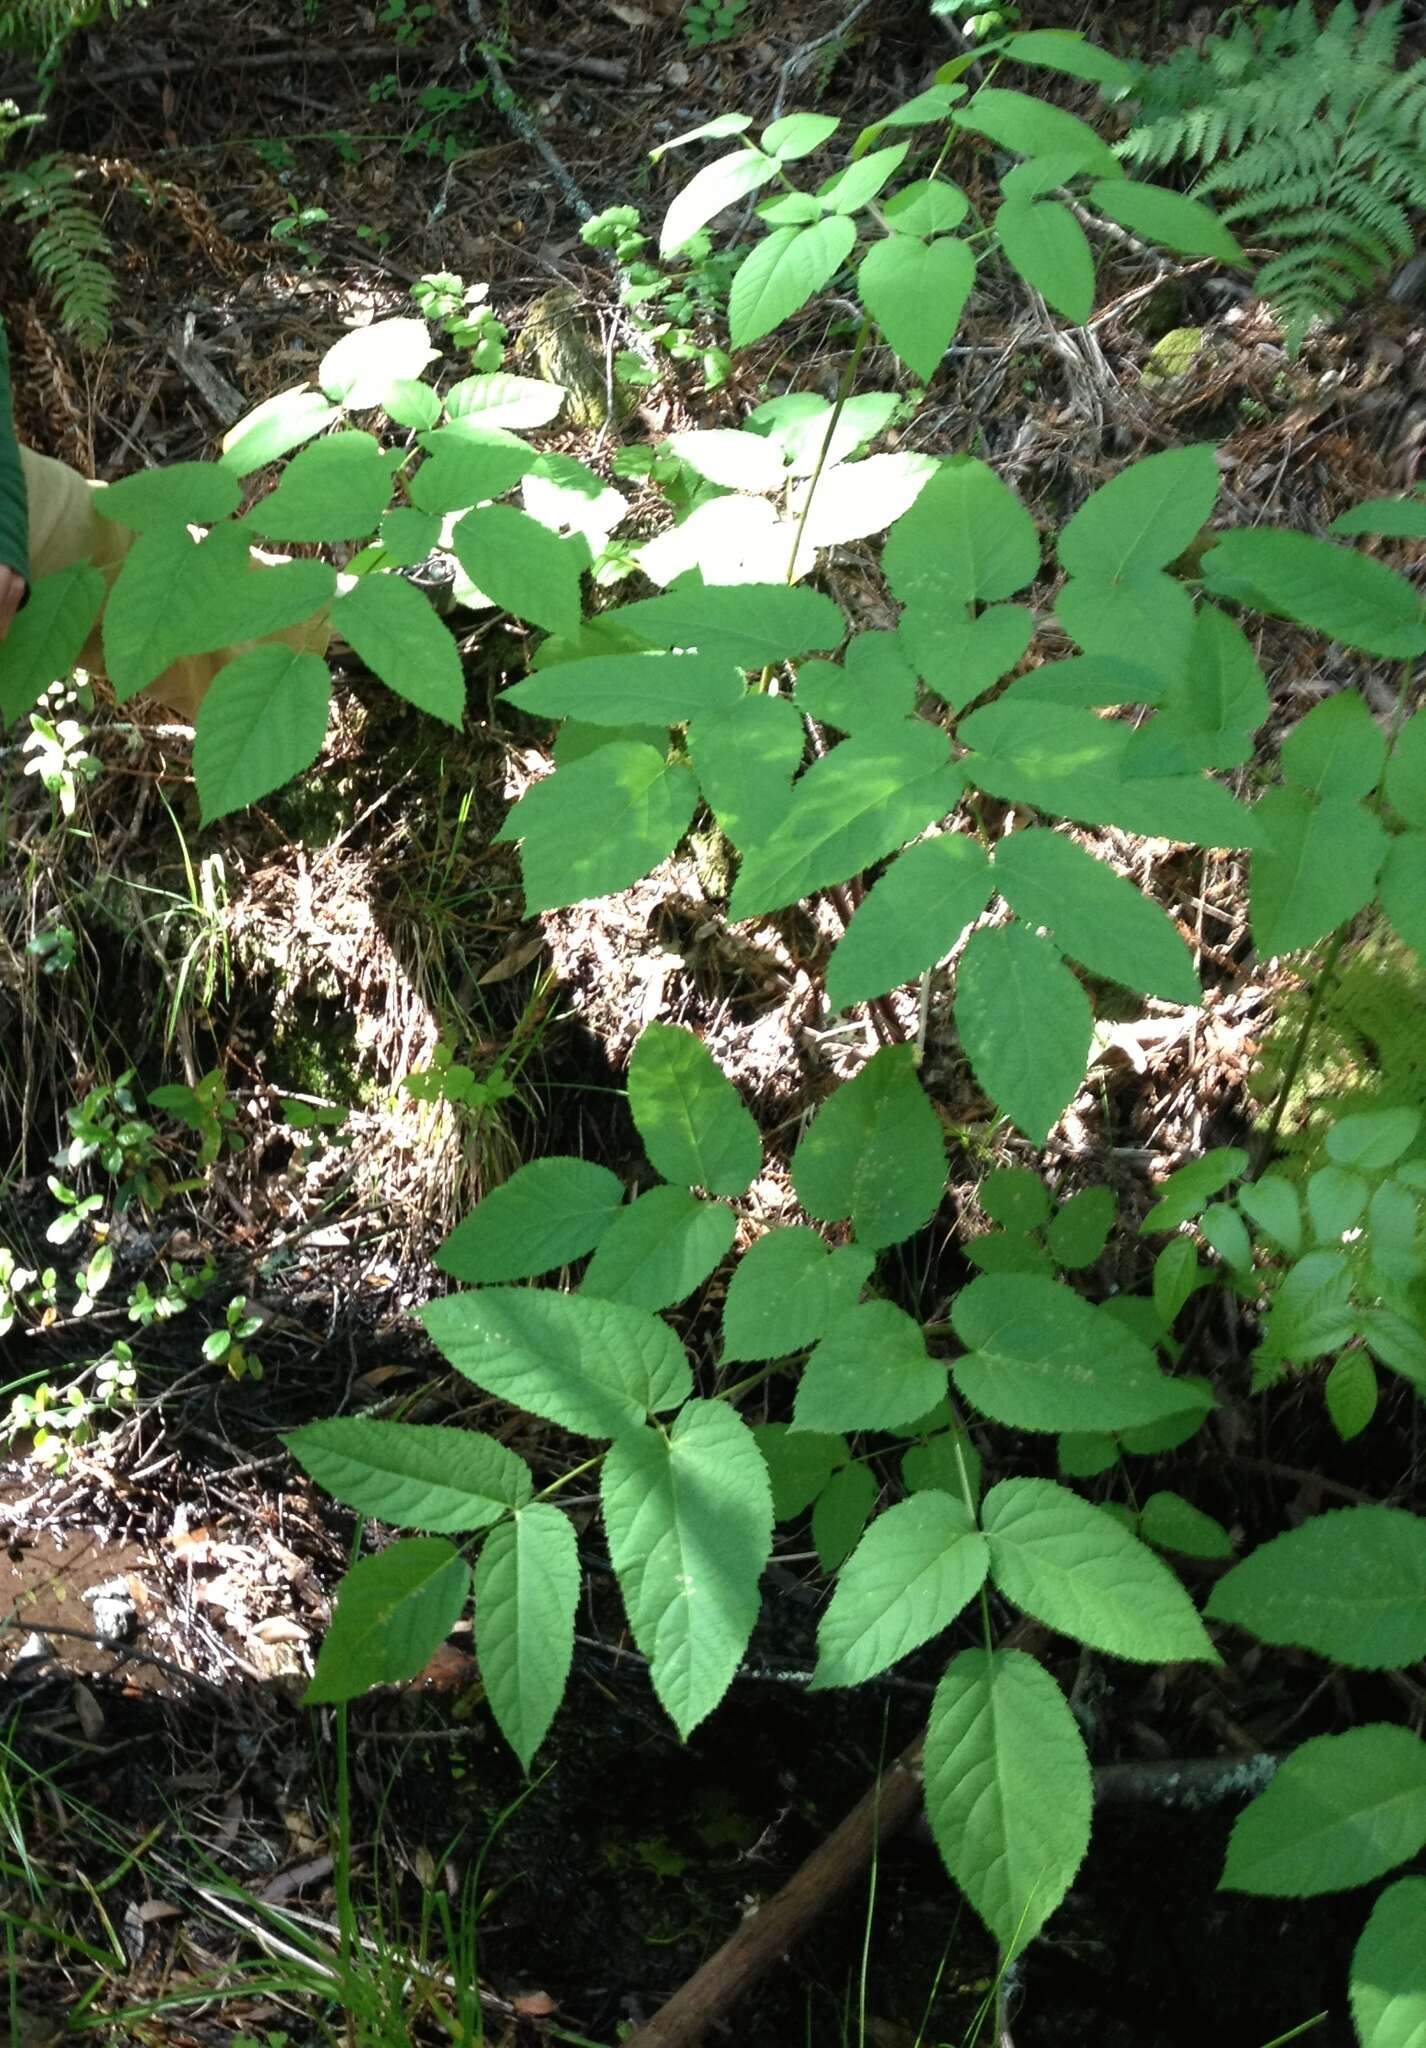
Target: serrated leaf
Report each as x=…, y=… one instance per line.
x=631, y=689
x=1045, y=244
x=1348, y=596
x=909, y=919
x=526, y=1591
x=1025, y=1025
x=521, y=566
x=1143, y=517
x=708, y=191
x=1219, y=699
x=600, y=823
x=413, y=1475
x=916, y=292
x=689, y=1521
x=659, y=1249
x=272, y=429
x=1373, y=1139
x=1079, y=1572
x=393, y=1612
x=466, y=464
x=908, y=1578
x=391, y=626
x=1349, y=1584
x=1403, y=890
x=1341, y=1810
x=549, y=1212
x=855, y=500
x=841, y=1512
x=182, y=494
x=786, y=1291
x=1406, y=770
x=1336, y=1198
x=594, y=1367
x=1388, y=1974
x=745, y=759
x=1350, y=1391
x=261, y=723
x=737, y=460
x=1015, y=1197
x=1315, y=866
x=1272, y=1204
x=1031, y=127
x=336, y=489
x=1039, y=1356
x=1338, y=749
x=780, y=274
x=1171, y=219
x=1170, y=1522
x=1008, y=1790
x=1094, y=915
x=408, y=537
x=967, y=538
x=46, y=637
x=359, y=370
x=799, y=1464
x=871, y=1371
x=959, y=657
x=497, y=399
x=695, y=1126
x=874, y=1153
x=1188, y=1190
x=746, y=626
x=1081, y=1229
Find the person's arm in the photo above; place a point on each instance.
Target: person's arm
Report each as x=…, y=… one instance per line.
x=14, y=515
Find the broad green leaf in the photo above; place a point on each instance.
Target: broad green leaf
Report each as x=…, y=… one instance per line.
x=799, y=1465
x=183, y=494
x=856, y=499
x=391, y=626
x=1406, y=770
x=1312, y=1312
x=1349, y=1584
x=1008, y=1251
x=871, y=1371
x=1341, y=1810
x=497, y=399
x=415, y=1475
x=801, y=425
x=719, y=126
x=850, y=189
x=1081, y=1573
x=1142, y=518
x=1224, y=1229
x=1031, y=127
x=1008, y=1790
x=466, y=465
x=262, y=722
x=1348, y=596
x=910, y=919
x=1025, y=1025
x=1015, y=1197
x=1219, y=698
x=959, y=657
x=1395, y=518
x=1084, y=1454
x=526, y=1592
x=780, y=273
x=745, y=759
x=1373, y=1139
x=1171, y=219
x=275, y=427
x=796, y=135
x=1062, y=49
x=1039, y=1356
x=1177, y=1276
x=1388, y=1975
x=695, y=1126
x=927, y=206
x=335, y=490
x=631, y=689
x=1272, y=1204
x=875, y=685
x=908, y=1578
x=967, y=538
x=45, y=639
x=1336, y=1199
x=407, y=537
x=521, y=566
x=657, y=1251
x=874, y=1153
x=916, y=292
x=1187, y=1191
x=689, y=1520
x=1403, y=890
x=1338, y=749
x=359, y=370
x=708, y=191
x=740, y=461
x=1145, y=616
x=1170, y=1522
x=1396, y=1342
x=786, y=1291
x=842, y=1510
x=746, y=626
x=1094, y=915
x=393, y=1612
x=1081, y=1228
x=599, y=824
x=1042, y=240
x=946, y=1463
x=924, y=110
x=1315, y=866
x=1350, y=1392
x=860, y=802
x=594, y=1367
x=549, y=1212
x=412, y=404
x=791, y=209
x=1152, y=1439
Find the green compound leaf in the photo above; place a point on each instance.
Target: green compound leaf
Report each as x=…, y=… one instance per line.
x=1062, y=49
x=1349, y=1584
x=1045, y=244
x=183, y=494
x=1215, y=705
x=413, y=1475
x=1185, y=1192
x=745, y=759
x=1080, y=1230
x=548, y=1212
x=1039, y=1356
x=871, y=1371
x=1170, y=1522
x=1096, y=916
x=1316, y=865
x=1350, y=597
x=907, y=1579
x=412, y=404
x=966, y=539
x=689, y=1521
x=1008, y=1790
x=916, y=293
x=874, y=1153
x=522, y=567
x=494, y=400
x=657, y=1251
x=1394, y=518
x=1403, y=890
x=1015, y=1197
x=262, y=722
x=1341, y=1810
x=638, y=689
x=392, y=627
x=717, y=185
x=1171, y=219
x=747, y=625
x=910, y=919
x=1031, y=127
x=842, y=1510
x=1273, y=1204
x=780, y=273
x=797, y=135
x=600, y=823
x=875, y=685
x=799, y=1465
x=786, y=1291
x=1406, y=770
x=1025, y=1024
x=1080, y=1572
x=466, y=465
x=959, y=657
x=1374, y=1139
x=335, y=490
x=45, y=639
x=526, y=1591
x=1142, y=518
x=695, y=1126
x=275, y=427
x=594, y=1367
x=393, y=1613
x=1388, y=1976
x=1338, y=749
x=359, y=370
x=927, y=206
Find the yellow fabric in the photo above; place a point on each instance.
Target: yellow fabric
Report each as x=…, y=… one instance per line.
x=65, y=528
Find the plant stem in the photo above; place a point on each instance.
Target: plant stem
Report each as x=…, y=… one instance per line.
x=1268, y=1139
x=844, y=392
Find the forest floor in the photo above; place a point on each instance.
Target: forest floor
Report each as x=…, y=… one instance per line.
x=178, y=1837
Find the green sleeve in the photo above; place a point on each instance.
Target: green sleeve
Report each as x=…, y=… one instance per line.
x=14, y=519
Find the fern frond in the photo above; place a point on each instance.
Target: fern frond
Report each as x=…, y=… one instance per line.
x=68, y=248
